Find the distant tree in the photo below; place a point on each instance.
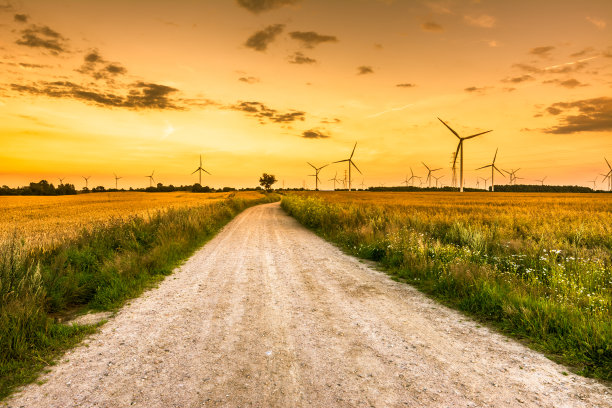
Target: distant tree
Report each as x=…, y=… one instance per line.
x=266, y=181
x=98, y=189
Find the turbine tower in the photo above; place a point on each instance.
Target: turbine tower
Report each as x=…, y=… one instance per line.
x=116, y=181
x=493, y=168
x=362, y=183
x=350, y=163
x=485, y=181
x=406, y=181
x=86, y=181
x=200, y=169
x=460, y=147
x=429, y=171
x=316, y=175
x=335, y=180
x=594, y=185
x=151, y=180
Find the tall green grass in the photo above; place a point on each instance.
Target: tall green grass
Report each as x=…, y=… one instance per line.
x=99, y=270
x=558, y=299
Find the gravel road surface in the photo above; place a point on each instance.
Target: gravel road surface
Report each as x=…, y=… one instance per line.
x=267, y=314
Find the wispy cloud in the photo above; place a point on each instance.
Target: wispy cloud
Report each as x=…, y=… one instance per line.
x=264, y=113
x=249, y=80
x=139, y=95
x=597, y=22
x=542, y=52
x=314, y=134
x=406, y=85
x=21, y=18
x=261, y=39
x=518, y=79
x=97, y=67
x=594, y=115
x=375, y=115
x=432, y=26
x=482, y=21
x=364, y=69
x=567, y=83
x=258, y=6
x=475, y=89
x=310, y=39
x=43, y=37
x=299, y=58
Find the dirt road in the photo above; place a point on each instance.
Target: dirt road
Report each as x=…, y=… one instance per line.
x=269, y=315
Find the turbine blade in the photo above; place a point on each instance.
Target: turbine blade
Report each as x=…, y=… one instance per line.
x=457, y=152
x=437, y=169
x=354, y=165
x=494, y=157
x=608, y=163
x=449, y=128
x=195, y=171
x=425, y=166
x=484, y=167
x=322, y=167
x=477, y=134
x=311, y=165
x=353, y=152
x=206, y=172
x=340, y=161
x=500, y=172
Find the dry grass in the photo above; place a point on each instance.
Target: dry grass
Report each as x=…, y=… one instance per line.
x=47, y=220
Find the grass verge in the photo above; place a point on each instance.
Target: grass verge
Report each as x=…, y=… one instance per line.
x=99, y=270
x=482, y=278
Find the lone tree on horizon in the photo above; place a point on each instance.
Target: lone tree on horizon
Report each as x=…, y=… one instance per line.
x=266, y=181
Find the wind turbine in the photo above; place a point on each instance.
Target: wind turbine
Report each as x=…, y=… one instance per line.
x=485, y=181
x=86, y=181
x=460, y=147
x=542, y=180
x=406, y=181
x=151, y=180
x=437, y=178
x=116, y=180
x=477, y=182
x=362, y=185
x=412, y=177
x=350, y=163
x=335, y=180
x=61, y=180
x=428, y=180
x=316, y=175
x=608, y=175
x=493, y=168
x=200, y=169
x=593, y=181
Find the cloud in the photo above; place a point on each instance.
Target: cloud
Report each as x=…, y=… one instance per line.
x=263, y=113
x=439, y=8
x=405, y=85
x=472, y=89
x=493, y=43
x=597, y=22
x=42, y=37
x=314, y=134
x=140, y=95
x=583, y=52
x=261, y=39
x=518, y=80
x=257, y=6
x=542, y=52
x=594, y=115
x=331, y=121
x=249, y=80
x=483, y=21
x=310, y=39
x=6, y=6
x=97, y=67
x=432, y=27
x=364, y=69
x=28, y=65
x=299, y=58
x=564, y=68
x=21, y=18
x=568, y=83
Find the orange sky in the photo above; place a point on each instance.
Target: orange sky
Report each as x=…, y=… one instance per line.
x=102, y=87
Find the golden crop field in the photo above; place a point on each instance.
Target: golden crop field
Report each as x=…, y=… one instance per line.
x=42, y=220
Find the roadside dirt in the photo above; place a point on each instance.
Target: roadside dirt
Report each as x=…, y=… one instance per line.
x=269, y=315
